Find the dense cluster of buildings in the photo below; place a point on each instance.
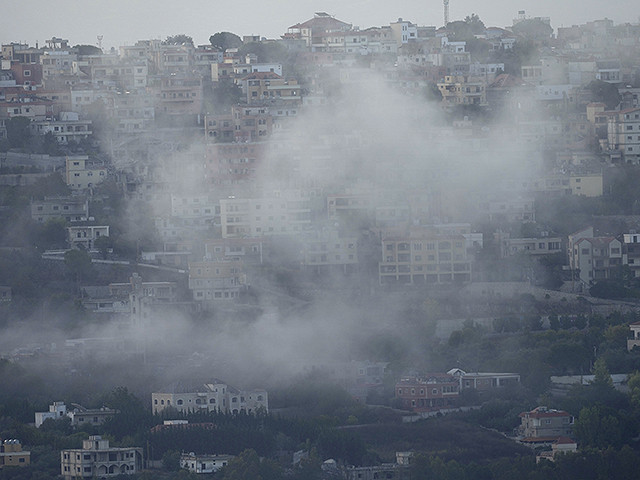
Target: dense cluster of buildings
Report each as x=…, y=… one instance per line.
x=423, y=211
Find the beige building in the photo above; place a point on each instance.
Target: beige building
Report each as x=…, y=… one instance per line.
x=463, y=90
x=216, y=280
x=83, y=174
x=269, y=87
x=12, y=455
x=209, y=397
x=97, y=460
x=427, y=259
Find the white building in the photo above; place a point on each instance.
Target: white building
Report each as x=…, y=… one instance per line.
x=204, y=463
x=57, y=410
x=86, y=235
x=209, y=397
x=283, y=213
x=97, y=460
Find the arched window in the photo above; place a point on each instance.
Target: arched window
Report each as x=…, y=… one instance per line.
x=180, y=402
x=212, y=400
x=155, y=402
x=260, y=398
x=161, y=402
x=234, y=399
x=198, y=401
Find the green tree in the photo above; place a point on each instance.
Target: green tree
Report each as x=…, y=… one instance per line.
x=224, y=40
x=180, y=39
x=224, y=95
x=245, y=466
x=79, y=263
x=103, y=244
x=87, y=50
x=554, y=322
x=267, y=52
x=604, y=92
x=594, y=428
x=533, y=29
x=601, y=373
x=18, y=132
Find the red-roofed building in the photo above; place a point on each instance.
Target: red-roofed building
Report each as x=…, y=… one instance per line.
x=542, y=422
x=433, y=391
x=320, y=23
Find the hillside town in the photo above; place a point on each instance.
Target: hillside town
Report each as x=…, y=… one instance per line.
x=412, y=252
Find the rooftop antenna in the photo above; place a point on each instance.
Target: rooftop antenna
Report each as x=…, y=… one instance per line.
x=100, y=37
x=446, y=13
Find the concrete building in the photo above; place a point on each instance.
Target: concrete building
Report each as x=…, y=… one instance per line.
x=97, y=460
x=531, y=246
x=57, y=410
x=70, y=209
x=83, y=174
x=204, y=463
x=214, y=396
x=281, y=213
x=12, y=455
x=594, y=258
x=623, y=136
x=325, y=251
x=424, y=259
x=86, y=235
x=542, y=422
x=484, y=381
x=216, y=280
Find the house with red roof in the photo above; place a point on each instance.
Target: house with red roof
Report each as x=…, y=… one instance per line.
x=545, y=425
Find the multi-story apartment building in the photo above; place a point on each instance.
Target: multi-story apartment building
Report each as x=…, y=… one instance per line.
x=542, y=422
x=179, y=94
x=96, y=459
x=623, y=135
x=65, y=127
x=531, y=246
x=83, y=174
x=209, y=397
x=463, y=90
x=270, y=88
x=507, y=209
x=593, y=258
x=233, y=163
x=243, y=124
x=631, y=251
x=216, y=280
x=426, y=259
x=283, y=213
x=433, y=391
x=71, y=209
x=325, y=251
